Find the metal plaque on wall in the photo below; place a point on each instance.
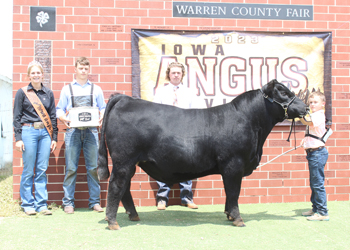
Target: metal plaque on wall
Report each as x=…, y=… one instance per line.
x=42, y=18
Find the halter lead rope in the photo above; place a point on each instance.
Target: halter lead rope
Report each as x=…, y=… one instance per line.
x=279, y=156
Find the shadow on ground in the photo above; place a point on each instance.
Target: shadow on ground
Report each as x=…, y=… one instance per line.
x=190, y=218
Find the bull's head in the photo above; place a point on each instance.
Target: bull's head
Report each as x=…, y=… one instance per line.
x=289, y=103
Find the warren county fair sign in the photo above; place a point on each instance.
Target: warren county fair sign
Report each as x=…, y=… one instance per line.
x=242, y=11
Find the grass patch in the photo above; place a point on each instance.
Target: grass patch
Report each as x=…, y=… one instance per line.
x=8, y=207
x=269, y=226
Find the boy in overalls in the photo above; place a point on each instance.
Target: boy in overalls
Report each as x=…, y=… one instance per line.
x=80, y=93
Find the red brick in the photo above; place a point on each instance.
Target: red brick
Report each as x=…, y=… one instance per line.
x=324, y=17
x=27, y=44
x=271, y=183
x=316, y=25
x=339, y=182
x=16, y=26
x=51, y=35
x=127, y=4
x=339, y=9
x=75, y=3
x=271, y=23
x=23, y=52
x=278, y=191
x=123, y=70
x=176, y=21
x=250, y=183
x=86, y=11
x=104, y=3
x=338, y=197
x=77, y=19
x=299, y=190
x=58, y=52
x=256, y=191
x=135, y=13
x=64, y=11
x=294, y=198
x=78, y=52
x=152, y=5
x=78, y=36
x=295, y=182
x=103, y=36
x=279, y=175
x=342, y=2
x=111, y=45
x=64, y=27
x=103, y=53
x=85, y=28
x=271, y=199
x=55, y=3
x=62, y=44
x=217, y=200
x=248, y=200
x=103, y=20
x=20, y=18
x=16, y=9
x=110, y=12
x=152, y=21
x=25, y=35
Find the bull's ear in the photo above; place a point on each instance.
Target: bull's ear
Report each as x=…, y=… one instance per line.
x=269, y=87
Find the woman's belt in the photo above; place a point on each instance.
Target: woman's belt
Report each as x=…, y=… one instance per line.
x=36, y=125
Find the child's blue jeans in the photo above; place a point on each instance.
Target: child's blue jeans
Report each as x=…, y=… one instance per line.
x=317, y=161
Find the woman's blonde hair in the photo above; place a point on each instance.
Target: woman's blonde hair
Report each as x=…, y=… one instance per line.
x=32, y=64
x=175, y=65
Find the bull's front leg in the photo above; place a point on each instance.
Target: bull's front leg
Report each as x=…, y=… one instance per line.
x=232, y=184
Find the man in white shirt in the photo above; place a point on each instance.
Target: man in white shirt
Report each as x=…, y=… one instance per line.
x=175, y=94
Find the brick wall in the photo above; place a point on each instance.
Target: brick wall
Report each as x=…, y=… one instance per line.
x=100, y=30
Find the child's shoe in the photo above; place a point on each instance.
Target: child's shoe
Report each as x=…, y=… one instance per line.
x=318, y=217
x=308, y=213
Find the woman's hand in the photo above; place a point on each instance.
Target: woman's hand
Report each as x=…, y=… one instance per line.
x=20, y=146
x=53, y=146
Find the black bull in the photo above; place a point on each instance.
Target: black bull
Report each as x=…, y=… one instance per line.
x=173, y=145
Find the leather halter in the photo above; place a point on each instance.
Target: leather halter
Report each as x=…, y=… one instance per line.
x=283, y=105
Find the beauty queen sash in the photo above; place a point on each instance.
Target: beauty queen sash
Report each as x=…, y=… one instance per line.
x=39, y=108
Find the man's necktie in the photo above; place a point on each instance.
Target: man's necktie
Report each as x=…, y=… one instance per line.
x=175, y=96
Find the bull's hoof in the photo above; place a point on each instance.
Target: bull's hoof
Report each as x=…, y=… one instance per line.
x=238, y=223
x=114, y=226
x=135, y=218
x=229, y=218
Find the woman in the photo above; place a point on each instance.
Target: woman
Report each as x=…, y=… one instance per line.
x=35, y=125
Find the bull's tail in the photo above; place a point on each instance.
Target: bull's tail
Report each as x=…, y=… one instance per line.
x=102, y=162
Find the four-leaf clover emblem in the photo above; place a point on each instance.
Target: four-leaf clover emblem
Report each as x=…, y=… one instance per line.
x=42, y=18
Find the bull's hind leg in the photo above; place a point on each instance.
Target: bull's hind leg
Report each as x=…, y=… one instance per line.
x=129, y=205
x=232, y=185
x=118, y=183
